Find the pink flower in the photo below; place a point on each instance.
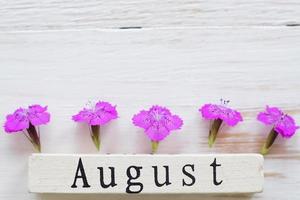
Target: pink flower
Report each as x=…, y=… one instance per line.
x=99, y=114
x=25, y=120
x=219, y=114
x=283, y=124
x=213, y=111
x=21, y=118
x=157, y=123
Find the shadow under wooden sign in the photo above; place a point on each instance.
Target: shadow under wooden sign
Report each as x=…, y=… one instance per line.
x=191, y=173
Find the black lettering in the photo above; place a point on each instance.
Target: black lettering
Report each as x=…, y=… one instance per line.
x=167, y=181
x=193, y=180
x=112, y=179
x=130, y=177
x=215, y=165
x=82, y=176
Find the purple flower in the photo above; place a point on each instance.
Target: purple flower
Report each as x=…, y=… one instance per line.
x=99, y=114
x=25, y=120
x=283, y=124
x=96, y=115
x=213, y=111
x=219, y=114
x=157, y=123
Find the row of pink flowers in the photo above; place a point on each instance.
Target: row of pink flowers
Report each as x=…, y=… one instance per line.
x=157, y=122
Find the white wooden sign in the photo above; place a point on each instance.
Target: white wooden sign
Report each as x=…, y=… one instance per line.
x=210, y=173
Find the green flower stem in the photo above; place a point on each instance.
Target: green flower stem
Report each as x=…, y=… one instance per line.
x=34, y=137
x=95, y=135
x=270, y=140
x=154, y=146
x=214, y=131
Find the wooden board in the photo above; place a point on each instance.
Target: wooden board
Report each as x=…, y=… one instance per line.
x=66, y=69
x=80, y=15
x=64, y=53
x=154, y=174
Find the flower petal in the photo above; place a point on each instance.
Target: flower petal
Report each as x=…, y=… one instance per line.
x=157, y=133
x=37, y=115
x=286, y=126
x=173, y=122
x=100, y=118
x=84, y=115
x=275, y=112
x=232, y=117
x=142, y=119
x=17, y=121
x=104, y=112
x=209, y=111
x=270, y=116
x=159, y=110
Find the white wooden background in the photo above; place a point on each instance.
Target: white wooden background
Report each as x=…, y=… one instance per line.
x=186, y=53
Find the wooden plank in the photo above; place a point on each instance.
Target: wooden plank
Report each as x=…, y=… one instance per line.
x=133, y=174
x=134, y=69
x=94, y=14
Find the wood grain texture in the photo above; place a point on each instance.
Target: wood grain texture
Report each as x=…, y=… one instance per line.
x=134, y=69
x=80, y=14
x=132, y=174
x=239, y=50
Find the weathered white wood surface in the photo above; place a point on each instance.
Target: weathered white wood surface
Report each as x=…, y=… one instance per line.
x=228, y=49
x=152, y=174
x=181, y=69
x=80, y=14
